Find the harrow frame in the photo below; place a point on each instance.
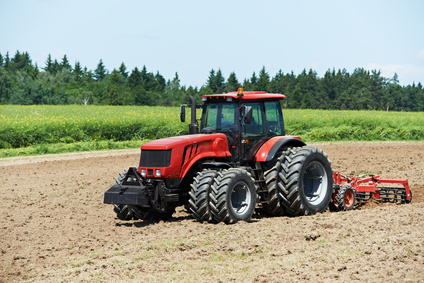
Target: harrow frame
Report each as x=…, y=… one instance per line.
x=368, y=186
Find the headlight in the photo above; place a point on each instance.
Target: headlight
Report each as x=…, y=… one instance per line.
x=158, y=172
x=143, y=172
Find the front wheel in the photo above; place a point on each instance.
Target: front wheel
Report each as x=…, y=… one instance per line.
x=308, y=181
x=123, y=211
x=199, y=194
x=233, y=196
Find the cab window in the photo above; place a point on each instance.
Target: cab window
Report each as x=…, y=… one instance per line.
x=274, y=117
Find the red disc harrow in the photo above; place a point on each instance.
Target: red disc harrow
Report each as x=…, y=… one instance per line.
x=347, y=191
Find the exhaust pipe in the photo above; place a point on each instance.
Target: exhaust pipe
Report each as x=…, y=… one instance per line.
x=193, y=128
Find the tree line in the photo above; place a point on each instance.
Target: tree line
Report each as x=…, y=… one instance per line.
x=59, y=82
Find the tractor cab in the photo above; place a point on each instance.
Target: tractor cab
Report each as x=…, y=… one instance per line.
x=248, y=119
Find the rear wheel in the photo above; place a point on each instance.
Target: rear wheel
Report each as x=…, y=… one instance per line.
x=308, y=181
x=274, y=184
x=233, y=196
x=346, y=198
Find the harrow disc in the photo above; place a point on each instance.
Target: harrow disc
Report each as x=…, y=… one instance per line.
x=393, y=195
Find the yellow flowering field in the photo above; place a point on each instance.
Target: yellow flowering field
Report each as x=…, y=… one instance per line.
x=349, y=125
x=102, y=127
x=28, y=125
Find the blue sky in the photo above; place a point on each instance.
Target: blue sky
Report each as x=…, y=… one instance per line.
x=192, y=37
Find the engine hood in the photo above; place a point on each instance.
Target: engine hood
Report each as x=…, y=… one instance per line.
x=186, y=151
x=180, y=141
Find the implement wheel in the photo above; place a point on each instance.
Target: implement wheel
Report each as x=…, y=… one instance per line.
x=346, y=198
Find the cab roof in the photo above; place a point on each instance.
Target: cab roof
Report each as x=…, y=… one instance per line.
x=245, y=95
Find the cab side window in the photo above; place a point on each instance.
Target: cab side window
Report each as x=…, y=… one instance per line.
x=274, y=118
x=257, y=125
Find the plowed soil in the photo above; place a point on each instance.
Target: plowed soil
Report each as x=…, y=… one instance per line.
x=55, y=227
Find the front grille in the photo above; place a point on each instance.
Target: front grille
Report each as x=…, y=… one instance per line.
x=155, y=158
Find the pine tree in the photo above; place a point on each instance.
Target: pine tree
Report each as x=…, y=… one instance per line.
x=78, y=72
x=161, y=82
x=143, y=74
x=275, y=84
x=172, y=91
x=65, y=64
x=219, y=82
x=232, y=83
x=6, y=84
x=100, y=71
x=247, y=85
x=17, y=59
x=55, y=67
x=7, y=61
x=134, y=79
x=49, y=64
x=115, y=86
x=123, y=70
x=253, y=82
x=263, y=80
x=211, y=81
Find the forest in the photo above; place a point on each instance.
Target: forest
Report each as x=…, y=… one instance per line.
x=59, y=83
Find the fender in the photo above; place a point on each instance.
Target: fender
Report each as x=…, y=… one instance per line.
x=270, y=148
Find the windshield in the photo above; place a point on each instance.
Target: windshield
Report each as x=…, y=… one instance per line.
x=267, y=119
x=220, y=116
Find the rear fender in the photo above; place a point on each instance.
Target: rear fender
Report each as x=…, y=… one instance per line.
x=270, y=149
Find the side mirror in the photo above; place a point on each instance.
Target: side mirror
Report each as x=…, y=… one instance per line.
x=248, y=114
x=182, y=113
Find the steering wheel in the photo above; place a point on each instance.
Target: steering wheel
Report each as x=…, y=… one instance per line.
x=229, y=130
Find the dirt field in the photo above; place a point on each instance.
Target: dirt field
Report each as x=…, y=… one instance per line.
x=54, y=227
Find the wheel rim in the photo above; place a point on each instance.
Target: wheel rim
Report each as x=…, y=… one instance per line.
x=240, y=198
x=348, y=198
x=315, y=183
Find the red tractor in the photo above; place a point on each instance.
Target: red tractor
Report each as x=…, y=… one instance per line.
x=240, y=160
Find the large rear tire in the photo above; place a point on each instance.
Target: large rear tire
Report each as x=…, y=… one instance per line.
x=274, y=185
x=199, y=194
x=308, y=181
x=233, y=196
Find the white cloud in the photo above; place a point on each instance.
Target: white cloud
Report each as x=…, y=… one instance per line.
x=407, y=73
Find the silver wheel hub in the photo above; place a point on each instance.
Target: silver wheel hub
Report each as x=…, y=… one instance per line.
x=315, y=183
x=240, y=198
